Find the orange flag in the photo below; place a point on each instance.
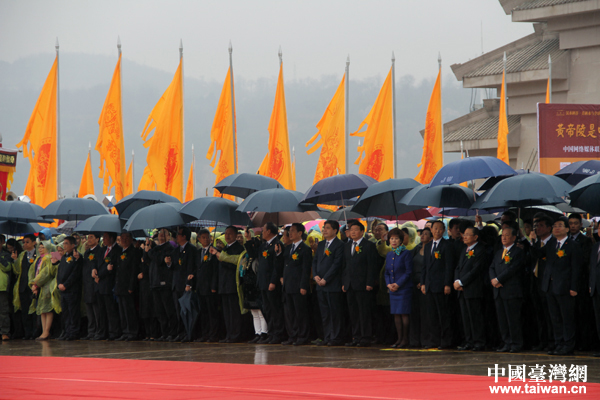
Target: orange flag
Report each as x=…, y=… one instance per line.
x=222, y=137
x=376, y=157
x=110, y=143
x=332, y=132
x=548, y=92
x=433, y=153
x=39, y=144
x=189, y=190
x=165, y=147
x=503, y=127
x=129, y=180
x=87, y=180
x=277, y=164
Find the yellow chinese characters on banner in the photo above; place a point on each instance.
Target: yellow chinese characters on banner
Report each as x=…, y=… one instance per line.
x=432, y=158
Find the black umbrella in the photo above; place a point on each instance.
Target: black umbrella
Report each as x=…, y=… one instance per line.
x=469, y=169
x=161, y=215
x=244, y=184
x=144, y=198
x=215, y=209
x=586, y=195
x=439, y=196
x=67, y=227
x=189, y=310
x=20, y=211
x=18, y=228
x=101, y=223
x=382, y=198
x=73, y=209
x=490, y=182
x=283, y=218
x=530, y=189
x=276, y=200
x=338, y=187
x=344, y=214
x=578, y=171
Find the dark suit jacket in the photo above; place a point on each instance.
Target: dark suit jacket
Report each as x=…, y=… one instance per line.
x=296, y=273
x=183, y=264
x=509, y=274
x=594, y=283
x=207, y=273
x=266, y=272
x=107, y=278
x=361, y=269
x=540, y=260
x=586, y=247
x=438, y=272
x=469, y=271
x=89, y=285
x=562, y=271
x=69, y=273
x=160, y=275
x=127, y=270
x=227, y=271
x=329, y=267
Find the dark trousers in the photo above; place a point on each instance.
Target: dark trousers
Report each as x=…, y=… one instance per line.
x=149, y=325
x=296, y=317
x=472, y=319
x=129, y=319
x=70, y=303
x=562, y=314
x=28, y=320
x=596, y=303
x=232, y=315
x=90, y=309
x=165, y=311
x=509, y=321
x=542, y=316
x=419, y=322
x=4, y=314
x=209, y=316
x=108, y=317
x=272, y=308
x=180, y=327
x=439, y=319
x=359, y=306
x=331, y=305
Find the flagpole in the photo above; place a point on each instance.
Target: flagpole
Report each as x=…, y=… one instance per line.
x=235, y=156
x=58, y=180
x=441, y=109
x=133, y=172
x=346, y=106
x=504, y=84
x=550, y=78
x=394, y=113
x=182, y=114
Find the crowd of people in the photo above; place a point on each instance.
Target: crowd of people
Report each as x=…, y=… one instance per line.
x=507, y=287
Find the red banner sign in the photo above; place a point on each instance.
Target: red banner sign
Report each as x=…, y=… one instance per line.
x=567, y=133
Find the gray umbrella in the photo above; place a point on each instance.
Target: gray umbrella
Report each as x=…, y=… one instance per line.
x=73, y=209
x=215, y=209
x=382, y=198
x=161, y=215
x=101, y=223
x=144, y=198
x=18, y=228
x=244, y=184
x=20, y=211
x=275, y=202
x=439, y=196
x=345, y=214
x=586, y=193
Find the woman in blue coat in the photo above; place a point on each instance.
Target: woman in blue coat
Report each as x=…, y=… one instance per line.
x=398, y=267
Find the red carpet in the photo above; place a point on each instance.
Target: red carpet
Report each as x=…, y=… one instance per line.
x=69, y=378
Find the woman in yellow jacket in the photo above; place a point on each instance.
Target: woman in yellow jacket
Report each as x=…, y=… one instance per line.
x=43, y=285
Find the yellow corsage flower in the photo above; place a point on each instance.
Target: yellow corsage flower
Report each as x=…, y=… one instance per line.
x=560, y=253
x=437, y=255
x=206, y=257
x=123, y=256
x=470, y=253
x=69, y=259
x=295, y=256
x=327, y=252
x=91, y=257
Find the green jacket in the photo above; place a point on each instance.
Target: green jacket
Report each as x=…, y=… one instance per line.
x=5, y=267
x=16, y=267
x=236, y=259
x=45, y=280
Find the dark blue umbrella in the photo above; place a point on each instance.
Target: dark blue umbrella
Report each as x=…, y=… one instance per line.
x=471, y=168
x=216, y=209
x=578, y=171
x=465, y=212
x=276, y=200
x=73, y=209
x=244, y=184
x=161, y=215
x=338, y=187
x=382, y=198
x=101, y=223
x=586, y=195
x=144, y=198
x=439, y=196
x=20, y=211
x=18, y=228
x=490, y=182
x=530, y=189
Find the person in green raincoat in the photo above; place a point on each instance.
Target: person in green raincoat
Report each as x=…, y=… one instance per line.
x=22, y=267
x=43, y=285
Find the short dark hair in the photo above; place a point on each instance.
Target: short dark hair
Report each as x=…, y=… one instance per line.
x=112, y=235
x=575, y=216
x=185, y=231
x=564, y=219
x=510, y=214
x=474, y=231
x=333, y=224
x=94, y=234
x=271, y=227
x=512, y=226
x=3, y=238
x=464, y=224
x=203, y=232
x=387, y=228
x=545, y=218
x=299, y=227
x=439, y=221
x=453, y=222
x=71, y=240
x=397, y=232
x=355, y=222
x=232, y=227
x=31, y=237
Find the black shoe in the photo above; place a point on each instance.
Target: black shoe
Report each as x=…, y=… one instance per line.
x=301, y=343
x=275, y=340
x=504, y=349
x=539, y=347
x=288, y=342
x=264, y=339
x=478, y=348
x=363, y=344
x=201, y=340
x=60, y=338
x=70, y=339
x=112, y=338
x=316, y=342
x=516, y=350
x=98, y=338
x=223, y=341
x=86, y=338
x=444, y=348
x=564, y=352
x=130, y=339
x=429, y=347
x=335, y=343
x=596, y=355
x=160, y=339
x=185, y=340
x=121, y=339
x=465, y=347
x=353, y=343
x=171, y=339
x=322, y=343
x=255, y=340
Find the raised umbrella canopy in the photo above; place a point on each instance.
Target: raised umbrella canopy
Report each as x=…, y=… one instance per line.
x=244, y=184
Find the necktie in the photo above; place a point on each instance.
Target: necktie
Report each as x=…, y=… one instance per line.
x=504, y=253
x=434, y=247
x=107, y=251
x=354, y=244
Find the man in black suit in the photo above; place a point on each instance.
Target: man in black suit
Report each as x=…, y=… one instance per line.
x=561, y=283
x=542, y=227
x=269, y=283
x=327, y=272
x=359, y=276
x=469, y=286
x=228, y=289
x=506, y=275
x=436, y=284
x=204, y=281
x=594, y=284
x=91, y=257
x=161, y=278
x=125, y=284
x=182, y=262
x=105, y=283
x=295, y=262
x=68, y=281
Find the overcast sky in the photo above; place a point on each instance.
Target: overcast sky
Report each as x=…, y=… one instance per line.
x=316, y=36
